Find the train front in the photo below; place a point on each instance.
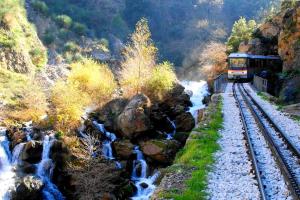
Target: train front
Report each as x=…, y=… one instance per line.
x=237, y=66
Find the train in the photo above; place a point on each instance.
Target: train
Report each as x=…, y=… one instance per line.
x=243, y=66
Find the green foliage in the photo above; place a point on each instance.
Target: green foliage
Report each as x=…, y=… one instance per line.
x=162, y=80
x=40, y=6
x=79, y=28
x=199, y=153
x=38, y=57
x=241, y=31
x=71, y=47
x=64, y=21
x=6, y=39
x=63, y=33
x=48, y=38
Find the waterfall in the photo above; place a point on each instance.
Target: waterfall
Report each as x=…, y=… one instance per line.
x=171, y=135
x=16, y=153
x=44, y=171
x=199, y=90
x=106, y=145
x=145, y=185
x=28, y=130
x=6, y=174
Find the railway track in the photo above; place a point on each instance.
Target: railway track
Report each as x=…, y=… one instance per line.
x=259, y=126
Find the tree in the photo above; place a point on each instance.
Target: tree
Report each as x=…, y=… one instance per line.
x=139, y=59
x=241, y=31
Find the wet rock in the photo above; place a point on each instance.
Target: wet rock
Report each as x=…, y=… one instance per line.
x=134, y=120
x=181, y=137
x=32, y=152
x=162, y=151
x=29, y=188
x=16, y=136
x=185, y=122
x=28, y=168
x=123, y=149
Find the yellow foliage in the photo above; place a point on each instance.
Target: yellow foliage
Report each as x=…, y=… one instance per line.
x=162, y=80
x=94, y=79
x=139, y=60
x=89, y=83
x=140, y=73
x=23, y=99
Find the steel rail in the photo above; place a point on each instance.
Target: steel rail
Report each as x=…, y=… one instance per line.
x=250, y=146
x=281, y=160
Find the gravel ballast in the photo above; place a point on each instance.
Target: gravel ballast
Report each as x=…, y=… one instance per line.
x=290, y=127
x=231, y=177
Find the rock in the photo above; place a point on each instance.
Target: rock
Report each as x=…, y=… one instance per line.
x=134, y=120
x=32, y=152
x=160, y=120
x=185, y=122
x=28, y=168
x=16, y=136
x=110, y=112
x=123, y=149
x=162, y=151
x=29, y=188
x=290, y=91
x=181, y=137
x=215, y=98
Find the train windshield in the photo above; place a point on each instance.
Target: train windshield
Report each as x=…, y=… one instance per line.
x=238, y=63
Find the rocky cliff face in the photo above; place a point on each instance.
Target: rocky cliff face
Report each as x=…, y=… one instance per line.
x=280, y=35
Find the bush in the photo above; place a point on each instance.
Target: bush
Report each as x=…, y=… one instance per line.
x=38, y=57
x=24, y=100
x=88, y=83
x=40, y=6
x=94, y=79
x=6, y=39
x=68, y=106
x=162, y=80
x=64, y=21
x=79, y=28
x=71, y=47
x=48, y=38
x=63, y=33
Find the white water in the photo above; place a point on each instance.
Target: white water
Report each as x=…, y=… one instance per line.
x=16, y=153
x=199, y=90
x=145, y=185
x=28, y=129
x=171, y=135
x=106, y=145
x=6, y=174
x=44, y=171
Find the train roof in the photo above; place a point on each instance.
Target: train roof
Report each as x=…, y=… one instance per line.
x=245, y=55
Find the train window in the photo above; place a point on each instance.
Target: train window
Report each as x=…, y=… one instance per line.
x=238, y=63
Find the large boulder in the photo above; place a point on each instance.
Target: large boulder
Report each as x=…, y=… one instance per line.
x=16, y=136
x=161, y=151
x=30, y=187
x=123, y=149
x=185, y=122
x=32, y=152
x=134, y=120
x=110, y=112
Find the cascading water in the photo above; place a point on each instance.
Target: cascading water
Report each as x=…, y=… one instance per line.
x=6, y=174
x=106, y=145
x=145, y=185
x=171, y=135
x=16, y=153
x=199, y=90
x=28, y=130
x=44, y=171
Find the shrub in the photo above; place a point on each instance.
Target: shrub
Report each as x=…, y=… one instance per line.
x=94, y=79
x=63, y=33
x=64, y=21
x=71, y=47
x=48, y=38
x=40, y=6
x=6, y=39
x=38, y=57
x=68, y=106
x=79, y=28
x=162, y=80
x=23, y=99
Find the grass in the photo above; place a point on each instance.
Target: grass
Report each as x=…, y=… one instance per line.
x=199, y=153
